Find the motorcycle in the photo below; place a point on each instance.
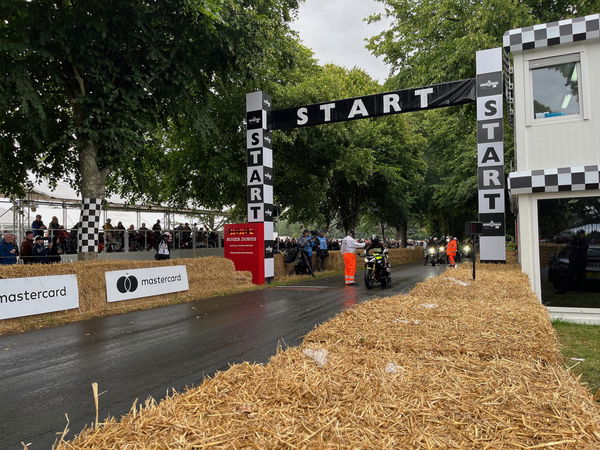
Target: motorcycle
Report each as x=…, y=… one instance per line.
x=431, y=254
x=442, y=258
x=377, y=270
x=464, y=252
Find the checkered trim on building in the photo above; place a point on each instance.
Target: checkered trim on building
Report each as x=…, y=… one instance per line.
x=553, y=33
x=580, y=178
x=87, y=237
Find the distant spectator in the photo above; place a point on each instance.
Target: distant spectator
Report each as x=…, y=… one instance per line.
x=164, y=247
x=144, y=242
x=120, y=236
x=38, y=226
x=8, y=250
x=52, y=255
x=132, y=238
x=26, y=248
x=53, y=227
x=39, y=252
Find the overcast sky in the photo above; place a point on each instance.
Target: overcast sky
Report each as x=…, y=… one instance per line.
x=336, y=32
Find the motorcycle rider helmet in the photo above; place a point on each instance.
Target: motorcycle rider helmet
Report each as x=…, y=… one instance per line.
x=375, y=238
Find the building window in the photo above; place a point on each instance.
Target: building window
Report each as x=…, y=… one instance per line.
x=569, y=231
x=556, y=86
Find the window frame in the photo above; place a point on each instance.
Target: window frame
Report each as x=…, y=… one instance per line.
x=539, y=62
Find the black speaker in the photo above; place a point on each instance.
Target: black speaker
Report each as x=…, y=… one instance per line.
x=473, y=228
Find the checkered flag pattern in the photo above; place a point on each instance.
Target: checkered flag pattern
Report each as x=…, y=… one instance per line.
x=87, y=237
x=580, y=178
x=553, y=33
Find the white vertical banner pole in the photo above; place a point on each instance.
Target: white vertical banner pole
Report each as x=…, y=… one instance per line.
x=490, y=155
x=260, y=171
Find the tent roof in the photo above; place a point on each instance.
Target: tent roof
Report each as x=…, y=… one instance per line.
x=64, y=193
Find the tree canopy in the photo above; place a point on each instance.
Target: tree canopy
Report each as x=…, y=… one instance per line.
x=84, y=86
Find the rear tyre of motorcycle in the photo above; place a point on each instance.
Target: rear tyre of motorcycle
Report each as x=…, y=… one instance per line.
x=369, y=280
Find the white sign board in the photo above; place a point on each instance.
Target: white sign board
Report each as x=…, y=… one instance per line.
x=137, y=283
x=37, y=295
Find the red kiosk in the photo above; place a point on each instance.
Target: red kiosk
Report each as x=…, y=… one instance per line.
x=244, y=245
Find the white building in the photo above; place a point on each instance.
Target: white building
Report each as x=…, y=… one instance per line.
x=557, y=127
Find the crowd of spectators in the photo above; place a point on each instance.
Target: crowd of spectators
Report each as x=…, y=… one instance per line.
x=45, y=244
x=184, y=236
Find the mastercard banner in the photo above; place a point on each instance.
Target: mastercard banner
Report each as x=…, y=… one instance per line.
x=136, y=283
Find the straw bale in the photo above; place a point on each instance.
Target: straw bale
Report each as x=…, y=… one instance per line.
x=352, y=402
x=335, y=261
x=478, y=371
x=206, y=276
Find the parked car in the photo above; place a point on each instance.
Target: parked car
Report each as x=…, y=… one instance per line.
x=558, y=271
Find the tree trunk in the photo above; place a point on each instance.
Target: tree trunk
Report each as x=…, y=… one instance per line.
x=404, y=233
x=92, y=186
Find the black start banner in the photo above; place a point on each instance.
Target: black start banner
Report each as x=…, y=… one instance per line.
x=396, y=102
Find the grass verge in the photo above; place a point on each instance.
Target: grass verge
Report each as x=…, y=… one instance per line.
x=581, y=342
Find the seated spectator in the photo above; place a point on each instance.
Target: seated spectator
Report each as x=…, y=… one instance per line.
x=39, y=252
x=8, y=250
x=52, y=254
x=26, y=247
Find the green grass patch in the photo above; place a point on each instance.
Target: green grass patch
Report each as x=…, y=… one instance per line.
x=581, y=341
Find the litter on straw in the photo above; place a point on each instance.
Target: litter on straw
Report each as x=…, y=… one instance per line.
x=318, y=356
x=429, y=305
x=459, y=282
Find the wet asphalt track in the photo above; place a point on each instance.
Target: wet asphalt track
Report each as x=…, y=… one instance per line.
x=47, y=373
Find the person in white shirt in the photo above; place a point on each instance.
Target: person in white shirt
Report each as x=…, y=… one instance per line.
x=349, y=246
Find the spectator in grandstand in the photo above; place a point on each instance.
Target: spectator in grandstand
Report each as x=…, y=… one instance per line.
x=186, y=236
x=132, y=238
x=8, y=249
x=156, y=228
x=109, y=236
x=26, y=247
x=144, y=238
x=53, y=227
x=39, y=251
x=52, y=255
x=38, y=226
x=120, y=236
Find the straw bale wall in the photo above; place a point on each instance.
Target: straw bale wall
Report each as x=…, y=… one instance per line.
x=205, y=275
x=336, y=261
x=453, y=364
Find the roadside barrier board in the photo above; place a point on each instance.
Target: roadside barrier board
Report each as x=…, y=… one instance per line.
x=37, y=295
x=136, y=283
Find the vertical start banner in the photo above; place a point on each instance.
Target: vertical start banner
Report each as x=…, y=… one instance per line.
x=245, y=246
x=259, y=179
x=490, y=154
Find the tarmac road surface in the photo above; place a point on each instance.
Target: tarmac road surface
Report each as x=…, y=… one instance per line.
x=48, y=373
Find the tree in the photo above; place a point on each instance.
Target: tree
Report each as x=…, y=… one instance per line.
x=436, y=41
x=84, y=86
x=333, y=174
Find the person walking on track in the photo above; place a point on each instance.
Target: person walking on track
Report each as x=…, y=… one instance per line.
x=349, y=246
x=451, y=250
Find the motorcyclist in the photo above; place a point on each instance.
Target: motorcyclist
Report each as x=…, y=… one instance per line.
x=431, y=243
x=377, y=245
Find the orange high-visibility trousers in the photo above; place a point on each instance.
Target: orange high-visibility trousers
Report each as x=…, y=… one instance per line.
x=451, y=258
x=349, y=267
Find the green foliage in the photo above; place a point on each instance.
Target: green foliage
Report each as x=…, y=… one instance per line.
x=334, y=174
x=435, y=41
x=99, y=78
